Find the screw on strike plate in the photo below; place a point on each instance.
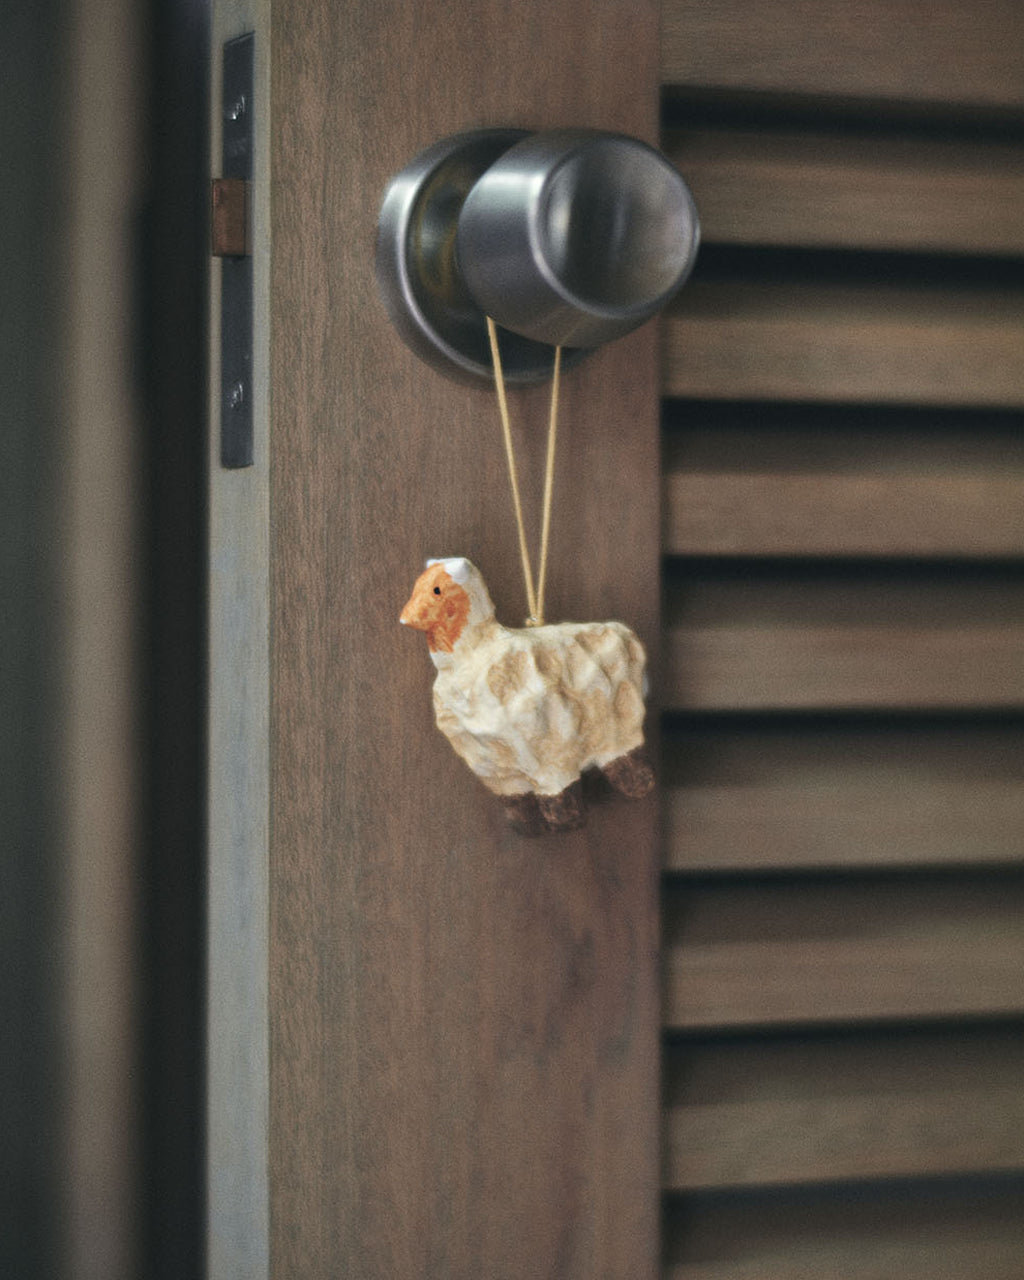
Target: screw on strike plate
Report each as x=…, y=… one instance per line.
x=236, y=396
x=236, y=109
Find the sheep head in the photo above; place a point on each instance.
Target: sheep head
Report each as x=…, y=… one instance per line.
x=448, y=596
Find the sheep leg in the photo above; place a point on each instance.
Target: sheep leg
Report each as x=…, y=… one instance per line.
x=523, y=814
x=630, y=774
x=565, y=811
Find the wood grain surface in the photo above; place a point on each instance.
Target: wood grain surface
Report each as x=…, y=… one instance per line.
x=788, y=1110
x=947, y=52
x=825, y=951
x=843, y=535
x=929, y=1230
x=804, y=638
x=853, y=340
x=762, y=480
x=784, y=794
x=848, y=189
x=464, y=1024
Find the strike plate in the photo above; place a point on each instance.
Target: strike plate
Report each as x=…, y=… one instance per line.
x=236, y=422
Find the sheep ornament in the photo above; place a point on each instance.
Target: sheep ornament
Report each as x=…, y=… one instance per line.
x=529, y=710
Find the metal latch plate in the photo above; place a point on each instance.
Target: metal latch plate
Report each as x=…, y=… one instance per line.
x=230, y=229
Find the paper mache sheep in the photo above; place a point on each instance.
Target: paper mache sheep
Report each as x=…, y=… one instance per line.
x=529, y=710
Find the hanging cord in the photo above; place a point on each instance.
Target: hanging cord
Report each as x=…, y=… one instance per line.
x=549, y=483
x=534, y=599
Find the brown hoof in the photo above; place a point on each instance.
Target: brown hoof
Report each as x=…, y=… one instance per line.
x=523, y=814
x=564, y=812
x=631, y=774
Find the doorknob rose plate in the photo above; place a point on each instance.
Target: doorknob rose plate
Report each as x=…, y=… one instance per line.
x=417, y=272
x=569, y=237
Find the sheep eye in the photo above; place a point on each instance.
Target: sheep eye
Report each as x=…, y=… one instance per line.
x=437, y=591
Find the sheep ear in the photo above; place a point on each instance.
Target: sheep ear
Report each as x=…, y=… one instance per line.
x=456, y=567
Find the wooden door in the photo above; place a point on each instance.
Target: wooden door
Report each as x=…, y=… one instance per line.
x=434, y=1047
x=434, y=1044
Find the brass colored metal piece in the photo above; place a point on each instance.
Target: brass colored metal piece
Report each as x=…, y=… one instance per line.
x=229, y=218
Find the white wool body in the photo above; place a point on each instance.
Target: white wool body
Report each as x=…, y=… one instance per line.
x=529, y=710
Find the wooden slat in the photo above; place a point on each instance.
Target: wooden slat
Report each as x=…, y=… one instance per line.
x=857, y=342
x=787, y=639
x=943, y=51
x=962, y=1230
x=786, y=796
x=849, y=190
x=850, y=482
x=779, y=953
x=824, y=1139
x=768, y=1112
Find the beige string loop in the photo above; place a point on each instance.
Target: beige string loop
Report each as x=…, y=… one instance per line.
x=534, y=599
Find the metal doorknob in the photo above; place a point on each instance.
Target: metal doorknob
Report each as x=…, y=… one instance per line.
x=568, y=237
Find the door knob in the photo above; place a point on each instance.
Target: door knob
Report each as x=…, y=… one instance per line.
x=568, y=237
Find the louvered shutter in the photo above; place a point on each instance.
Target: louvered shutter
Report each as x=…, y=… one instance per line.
x=843, y=902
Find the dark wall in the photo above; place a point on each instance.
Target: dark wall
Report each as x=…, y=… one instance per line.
x=173, y=272
x=169, y=271
x=31, y=230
